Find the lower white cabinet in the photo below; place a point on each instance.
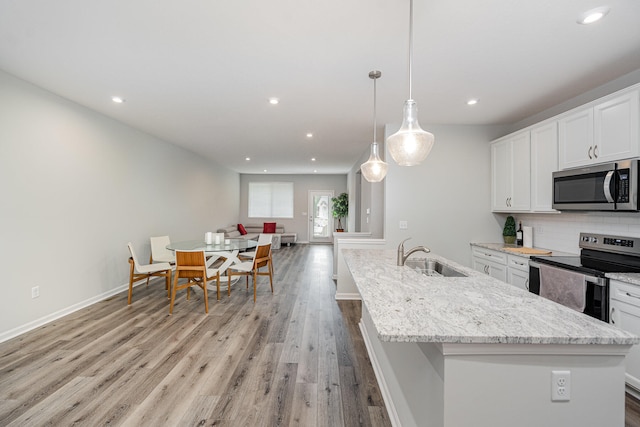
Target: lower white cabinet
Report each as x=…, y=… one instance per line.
x=624, y=313
x=512, y=269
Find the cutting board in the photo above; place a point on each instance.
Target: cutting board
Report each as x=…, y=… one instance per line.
x=529, y=251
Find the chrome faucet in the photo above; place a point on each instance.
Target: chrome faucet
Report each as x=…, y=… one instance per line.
x=401, y=255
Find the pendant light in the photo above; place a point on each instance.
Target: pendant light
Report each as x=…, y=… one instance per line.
x=374, y=169
x=410, y=145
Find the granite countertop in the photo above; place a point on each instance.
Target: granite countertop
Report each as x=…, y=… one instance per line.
x=633, y=278
x=407, y=306
x=503, y=247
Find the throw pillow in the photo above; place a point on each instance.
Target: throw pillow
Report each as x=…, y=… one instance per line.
x=241, y=229
x=269, y=227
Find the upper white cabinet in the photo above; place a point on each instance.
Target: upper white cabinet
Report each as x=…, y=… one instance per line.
x=544, y=161
x=605, y=131
x=511, y=173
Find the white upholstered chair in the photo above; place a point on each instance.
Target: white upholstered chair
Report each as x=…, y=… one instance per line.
x=251, y=267
x=159, y=251
x=139, y=271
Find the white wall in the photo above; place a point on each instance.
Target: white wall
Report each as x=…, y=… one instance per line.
x=446, y=200
x=76, y=186
x=301, y=186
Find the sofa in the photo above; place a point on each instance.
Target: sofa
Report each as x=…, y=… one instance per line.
x=254, y=230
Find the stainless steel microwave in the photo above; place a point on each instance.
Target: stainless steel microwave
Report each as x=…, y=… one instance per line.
x=606, y=187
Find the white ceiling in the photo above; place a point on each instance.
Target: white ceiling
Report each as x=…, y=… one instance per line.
x=199, y=73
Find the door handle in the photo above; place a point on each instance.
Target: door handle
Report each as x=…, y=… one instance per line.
x=589, y=152
x=526, y=284
x=613, y=321
x=595, y=151
x=607, y=186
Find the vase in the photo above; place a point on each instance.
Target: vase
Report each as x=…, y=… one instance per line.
x=510, y=240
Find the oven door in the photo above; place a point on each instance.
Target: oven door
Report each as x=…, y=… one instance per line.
x=592, y=188
x=597, y=298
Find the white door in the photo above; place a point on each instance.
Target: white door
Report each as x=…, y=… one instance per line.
x=320, y=218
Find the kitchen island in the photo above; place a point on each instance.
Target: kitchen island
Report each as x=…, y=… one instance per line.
x=475, y=351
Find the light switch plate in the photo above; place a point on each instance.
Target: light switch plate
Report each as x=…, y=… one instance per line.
x=403, y=225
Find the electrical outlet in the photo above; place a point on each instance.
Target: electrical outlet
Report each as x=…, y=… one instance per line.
x=560, y=386
x=35, y=292
x=403, y=225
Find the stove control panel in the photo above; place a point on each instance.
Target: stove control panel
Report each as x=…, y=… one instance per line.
x=606, y=243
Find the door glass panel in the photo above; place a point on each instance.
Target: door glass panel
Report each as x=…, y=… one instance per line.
x=320, y=216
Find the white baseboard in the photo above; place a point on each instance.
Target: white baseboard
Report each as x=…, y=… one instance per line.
x=65, y=311
x=384, y=390
x=348, y=296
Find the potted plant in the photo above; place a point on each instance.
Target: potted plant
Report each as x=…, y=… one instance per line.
x=509, y=231
x=340, y=208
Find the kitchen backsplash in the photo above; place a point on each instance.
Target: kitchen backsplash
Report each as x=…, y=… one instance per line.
x=561, y=231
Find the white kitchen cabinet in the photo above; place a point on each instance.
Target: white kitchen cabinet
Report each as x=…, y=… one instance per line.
x=518, y=271
x=512, y=269
x=490, y=262
x=604, y=131
x=511, y=173
x=544, y=161
x=624, y=313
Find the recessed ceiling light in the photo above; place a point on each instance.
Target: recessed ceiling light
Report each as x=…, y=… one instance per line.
x=472, y=102
x=309, y=135
x=117, y=99
x=593, y=15
x=247, y=158
x=313, y=159
x=274, y=101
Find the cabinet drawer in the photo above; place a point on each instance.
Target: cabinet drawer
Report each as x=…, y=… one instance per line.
x=625, y=292
x=489, y=255
x=518, y=262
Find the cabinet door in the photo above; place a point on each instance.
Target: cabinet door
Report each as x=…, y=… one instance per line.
x=500, y=175
x=520, y=172
x=493, y=269
x=627, y=317
x=518, y=278
x=544, y=161
x=498, y=271
x=616, y=128
x=575, y=139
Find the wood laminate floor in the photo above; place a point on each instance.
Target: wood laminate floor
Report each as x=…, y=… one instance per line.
x=296, y=357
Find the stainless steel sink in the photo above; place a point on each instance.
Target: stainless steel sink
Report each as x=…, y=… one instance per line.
x=431, y=267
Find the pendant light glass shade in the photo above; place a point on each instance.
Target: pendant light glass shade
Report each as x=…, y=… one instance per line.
x=374, y=169
x=411, y=144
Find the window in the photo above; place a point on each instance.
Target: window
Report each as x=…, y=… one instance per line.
x=271, y=200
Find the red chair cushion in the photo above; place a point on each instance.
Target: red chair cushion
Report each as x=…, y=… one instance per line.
x=269, y=227
x=241, y=229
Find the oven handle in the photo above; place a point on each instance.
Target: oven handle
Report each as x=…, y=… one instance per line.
x=607, y=186
x=598, y=281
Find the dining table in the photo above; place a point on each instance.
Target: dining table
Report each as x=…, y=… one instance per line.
x=200, y=245
x=223, y=249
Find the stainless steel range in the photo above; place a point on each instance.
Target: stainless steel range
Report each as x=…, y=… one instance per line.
x=599, y=254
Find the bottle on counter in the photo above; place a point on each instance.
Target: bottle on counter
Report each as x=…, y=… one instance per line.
x=519, y=235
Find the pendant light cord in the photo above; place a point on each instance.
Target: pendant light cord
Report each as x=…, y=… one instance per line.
x=375, y=140
x=410, y=45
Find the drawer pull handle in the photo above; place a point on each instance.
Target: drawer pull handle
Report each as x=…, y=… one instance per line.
x=613, y=321
x=632, y=295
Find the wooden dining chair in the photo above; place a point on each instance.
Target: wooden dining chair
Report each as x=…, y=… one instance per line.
x=193, y=266
x=139, y=271
x=261, y=259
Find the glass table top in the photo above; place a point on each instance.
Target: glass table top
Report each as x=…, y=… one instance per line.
x=200, y=245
